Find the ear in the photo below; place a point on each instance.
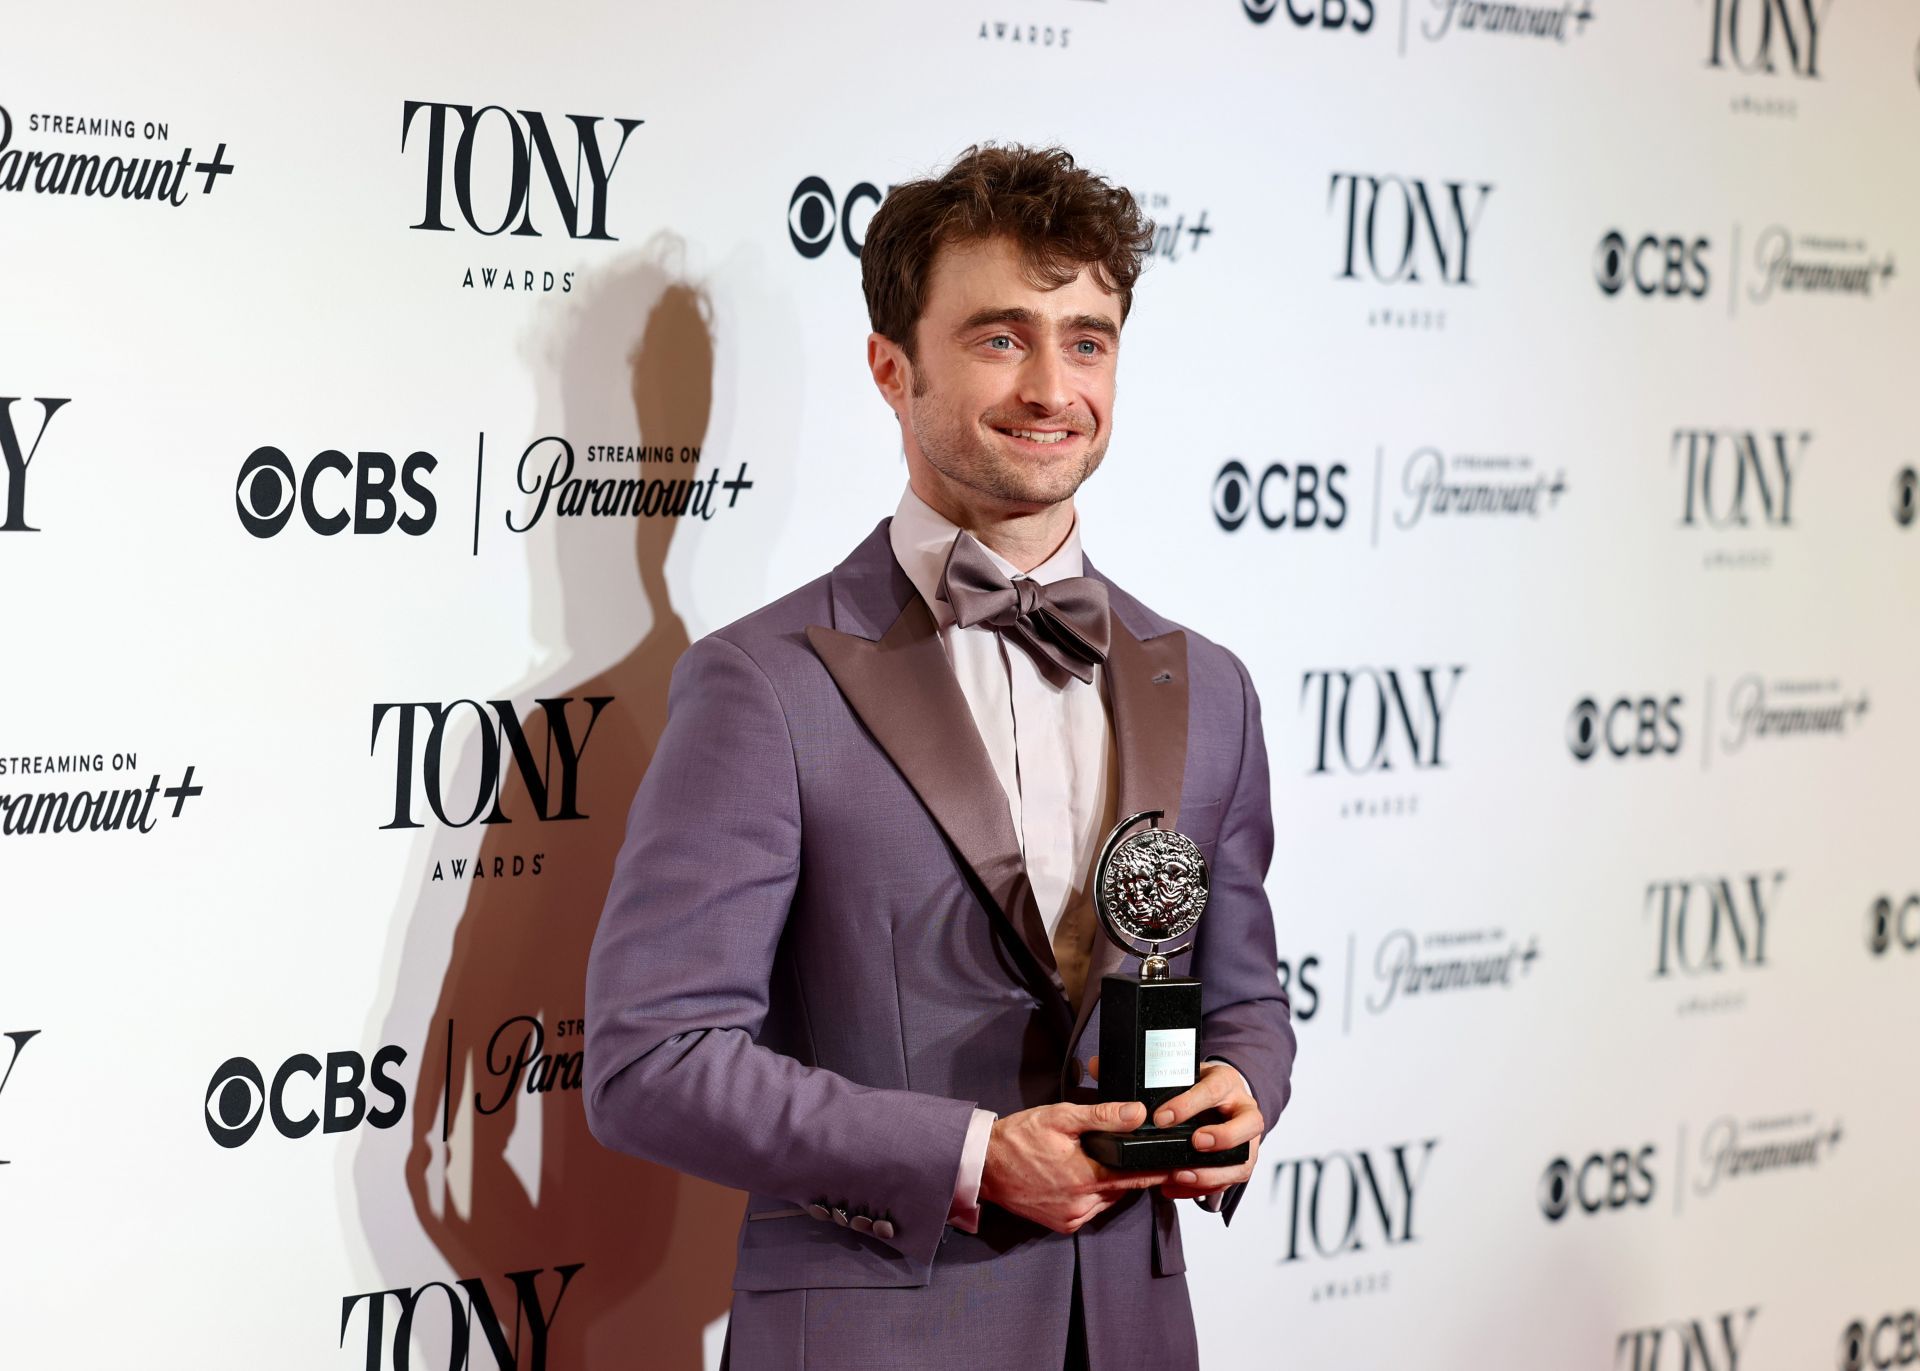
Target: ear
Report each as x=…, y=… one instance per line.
x=892, y=372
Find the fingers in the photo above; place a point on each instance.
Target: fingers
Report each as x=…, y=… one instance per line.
x=1199, y=1182
x=1196, y=1182
x=1173, y=1190
x=1084, y=1215
x=1211, y=1090
x=1112, y=1182
x=1109, y=1116
x=1208, y=1179
x=1116, y=1186
x=1244, y=1126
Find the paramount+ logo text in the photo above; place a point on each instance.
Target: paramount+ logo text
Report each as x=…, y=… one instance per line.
x=305, y=1094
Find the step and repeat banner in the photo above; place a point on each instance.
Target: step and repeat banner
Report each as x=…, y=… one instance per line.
x=388, y=396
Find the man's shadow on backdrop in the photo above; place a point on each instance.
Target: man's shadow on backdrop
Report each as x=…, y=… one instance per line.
x=504, y=1192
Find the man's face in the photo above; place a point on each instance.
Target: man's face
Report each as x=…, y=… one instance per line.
x=1012, y=393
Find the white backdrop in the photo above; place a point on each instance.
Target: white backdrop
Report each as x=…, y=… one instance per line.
x=1481, y=917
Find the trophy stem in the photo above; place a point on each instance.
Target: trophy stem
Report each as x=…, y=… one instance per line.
x=1154, y=968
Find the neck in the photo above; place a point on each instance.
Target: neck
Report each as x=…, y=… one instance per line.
x=1026, y=535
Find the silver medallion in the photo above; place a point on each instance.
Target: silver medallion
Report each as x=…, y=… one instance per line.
x=1150, y=886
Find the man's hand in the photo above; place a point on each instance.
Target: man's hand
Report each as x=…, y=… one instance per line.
x=1035, y=1167
x=1220, y=1087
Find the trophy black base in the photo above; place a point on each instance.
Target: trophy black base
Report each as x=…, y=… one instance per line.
x=1157, y=1149
x=1135, y=1017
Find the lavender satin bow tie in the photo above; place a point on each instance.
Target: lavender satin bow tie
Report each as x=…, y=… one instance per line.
x=1064, y=627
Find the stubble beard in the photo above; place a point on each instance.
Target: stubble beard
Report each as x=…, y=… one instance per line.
x=954, y=447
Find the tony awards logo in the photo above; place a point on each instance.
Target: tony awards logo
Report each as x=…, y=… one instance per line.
x=1150, y=886
x=13, y=514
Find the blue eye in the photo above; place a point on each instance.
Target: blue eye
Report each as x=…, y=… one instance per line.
x=1001, y=338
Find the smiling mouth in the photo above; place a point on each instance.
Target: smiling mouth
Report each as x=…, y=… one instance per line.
x=1040, y=437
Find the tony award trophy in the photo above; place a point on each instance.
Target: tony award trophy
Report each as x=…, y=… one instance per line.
x=1150, y=886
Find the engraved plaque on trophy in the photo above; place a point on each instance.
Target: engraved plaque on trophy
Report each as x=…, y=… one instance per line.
x=1150, y=886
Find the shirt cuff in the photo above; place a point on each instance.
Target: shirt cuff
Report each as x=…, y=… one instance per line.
x=964, y=1212
x=1211, y=1203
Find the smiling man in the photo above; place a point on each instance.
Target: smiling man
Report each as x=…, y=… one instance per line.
x=848, y=962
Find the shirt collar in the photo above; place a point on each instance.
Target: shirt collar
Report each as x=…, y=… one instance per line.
x=922, y=537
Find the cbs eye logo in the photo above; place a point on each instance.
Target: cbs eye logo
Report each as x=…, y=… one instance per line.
x=1891, y=925
x=269, y=492
x=1283, y=496
x=1625, y=728
x=812, y=216
x=238, y=1097
x=1894, y=1340
x=1329, y=14
x=234, y=1100
x=1654, y=265
x=1605, y=1180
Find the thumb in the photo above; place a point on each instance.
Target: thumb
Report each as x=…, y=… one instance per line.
x=1109, y=1116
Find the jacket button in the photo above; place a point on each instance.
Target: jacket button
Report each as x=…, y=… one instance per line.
x=883, y=1230
x=819, y=1211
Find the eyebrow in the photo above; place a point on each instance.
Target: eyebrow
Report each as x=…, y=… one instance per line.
x=1015, y=314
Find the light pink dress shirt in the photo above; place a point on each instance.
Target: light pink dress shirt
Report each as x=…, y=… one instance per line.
x=1051, y=746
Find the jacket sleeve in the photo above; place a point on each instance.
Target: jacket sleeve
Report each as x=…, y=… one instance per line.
x=1246, y=1016
x=678, y=978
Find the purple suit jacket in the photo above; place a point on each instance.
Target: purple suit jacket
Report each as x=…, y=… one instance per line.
x=820, y=952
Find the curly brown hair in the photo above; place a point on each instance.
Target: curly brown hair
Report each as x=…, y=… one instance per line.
x=1063, y=217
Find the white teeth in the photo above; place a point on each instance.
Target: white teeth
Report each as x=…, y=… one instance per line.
x=1056, y=436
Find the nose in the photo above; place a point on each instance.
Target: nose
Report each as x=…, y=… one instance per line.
x=1043, y=382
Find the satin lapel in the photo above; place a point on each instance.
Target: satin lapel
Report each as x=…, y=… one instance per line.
x=1147, y=685
x=905, y=693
